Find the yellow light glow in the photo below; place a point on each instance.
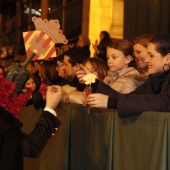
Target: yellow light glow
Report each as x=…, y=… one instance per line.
x=105, y=15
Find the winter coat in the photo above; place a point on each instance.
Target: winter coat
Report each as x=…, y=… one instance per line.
x=125, y=81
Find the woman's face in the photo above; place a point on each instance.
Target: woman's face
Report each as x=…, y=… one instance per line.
x=30, y=84
x=155, y=60
x=141, y=54
x=116, y=59
x=92, y=69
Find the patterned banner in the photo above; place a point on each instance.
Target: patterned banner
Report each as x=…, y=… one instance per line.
x=39, y=43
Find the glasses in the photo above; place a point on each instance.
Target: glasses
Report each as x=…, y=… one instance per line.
x=60, y=65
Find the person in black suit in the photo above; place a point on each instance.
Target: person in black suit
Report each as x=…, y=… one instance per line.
x=15, y=144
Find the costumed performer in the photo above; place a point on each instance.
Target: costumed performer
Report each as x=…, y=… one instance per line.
x=14, y=144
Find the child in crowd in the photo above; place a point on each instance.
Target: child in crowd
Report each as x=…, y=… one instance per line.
x=31, y=83
x=36, y=99
x=96, y=66
x=122, y=75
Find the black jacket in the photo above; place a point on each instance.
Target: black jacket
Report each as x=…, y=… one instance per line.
x=154, y=95
x=14, y=144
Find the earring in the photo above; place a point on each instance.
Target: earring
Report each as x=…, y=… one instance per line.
x=166, y=67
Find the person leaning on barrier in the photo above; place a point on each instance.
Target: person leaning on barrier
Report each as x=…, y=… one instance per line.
x=15, y=144
x=153, y=95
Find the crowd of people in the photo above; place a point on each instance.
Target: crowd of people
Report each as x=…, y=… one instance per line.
x=123, y=70
x=152, y=95
x=131, y=77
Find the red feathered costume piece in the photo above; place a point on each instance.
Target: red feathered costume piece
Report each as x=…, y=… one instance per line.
x=10, y=101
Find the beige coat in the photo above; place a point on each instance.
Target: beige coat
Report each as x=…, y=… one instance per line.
x=125, y=81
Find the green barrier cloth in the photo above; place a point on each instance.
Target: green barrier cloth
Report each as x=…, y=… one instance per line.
x=101, y=140
x=140, y=142
x=93, y=132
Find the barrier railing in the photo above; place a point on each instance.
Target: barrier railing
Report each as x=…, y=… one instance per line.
x=101, y=140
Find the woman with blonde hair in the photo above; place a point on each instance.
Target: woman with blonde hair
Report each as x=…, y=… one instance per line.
x=140, y=44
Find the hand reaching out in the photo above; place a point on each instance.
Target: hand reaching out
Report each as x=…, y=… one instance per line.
x=81, y=71
x=96, y=100
x=54, y=96
x=95, y=45
x=96, y=50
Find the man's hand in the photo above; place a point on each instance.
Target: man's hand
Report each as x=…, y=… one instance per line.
x=81, y=71
x=54, y=96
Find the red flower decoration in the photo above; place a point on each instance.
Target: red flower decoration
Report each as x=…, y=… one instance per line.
x=13, y=103
x=43, y=89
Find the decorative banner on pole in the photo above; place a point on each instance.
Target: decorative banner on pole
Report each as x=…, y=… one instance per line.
x=40, y=44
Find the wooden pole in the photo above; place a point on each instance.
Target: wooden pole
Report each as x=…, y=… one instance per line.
x=44, y=9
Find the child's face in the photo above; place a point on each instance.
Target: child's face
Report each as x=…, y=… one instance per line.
x=116, y=59
x=30, y=84
x=92, y=69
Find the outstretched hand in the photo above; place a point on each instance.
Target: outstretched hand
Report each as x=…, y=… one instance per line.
x=96, y=100
x=81, y=71
x=54, y=96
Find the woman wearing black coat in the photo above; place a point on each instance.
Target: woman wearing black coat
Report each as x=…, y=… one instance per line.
x=14, y=144
x=154, y=95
